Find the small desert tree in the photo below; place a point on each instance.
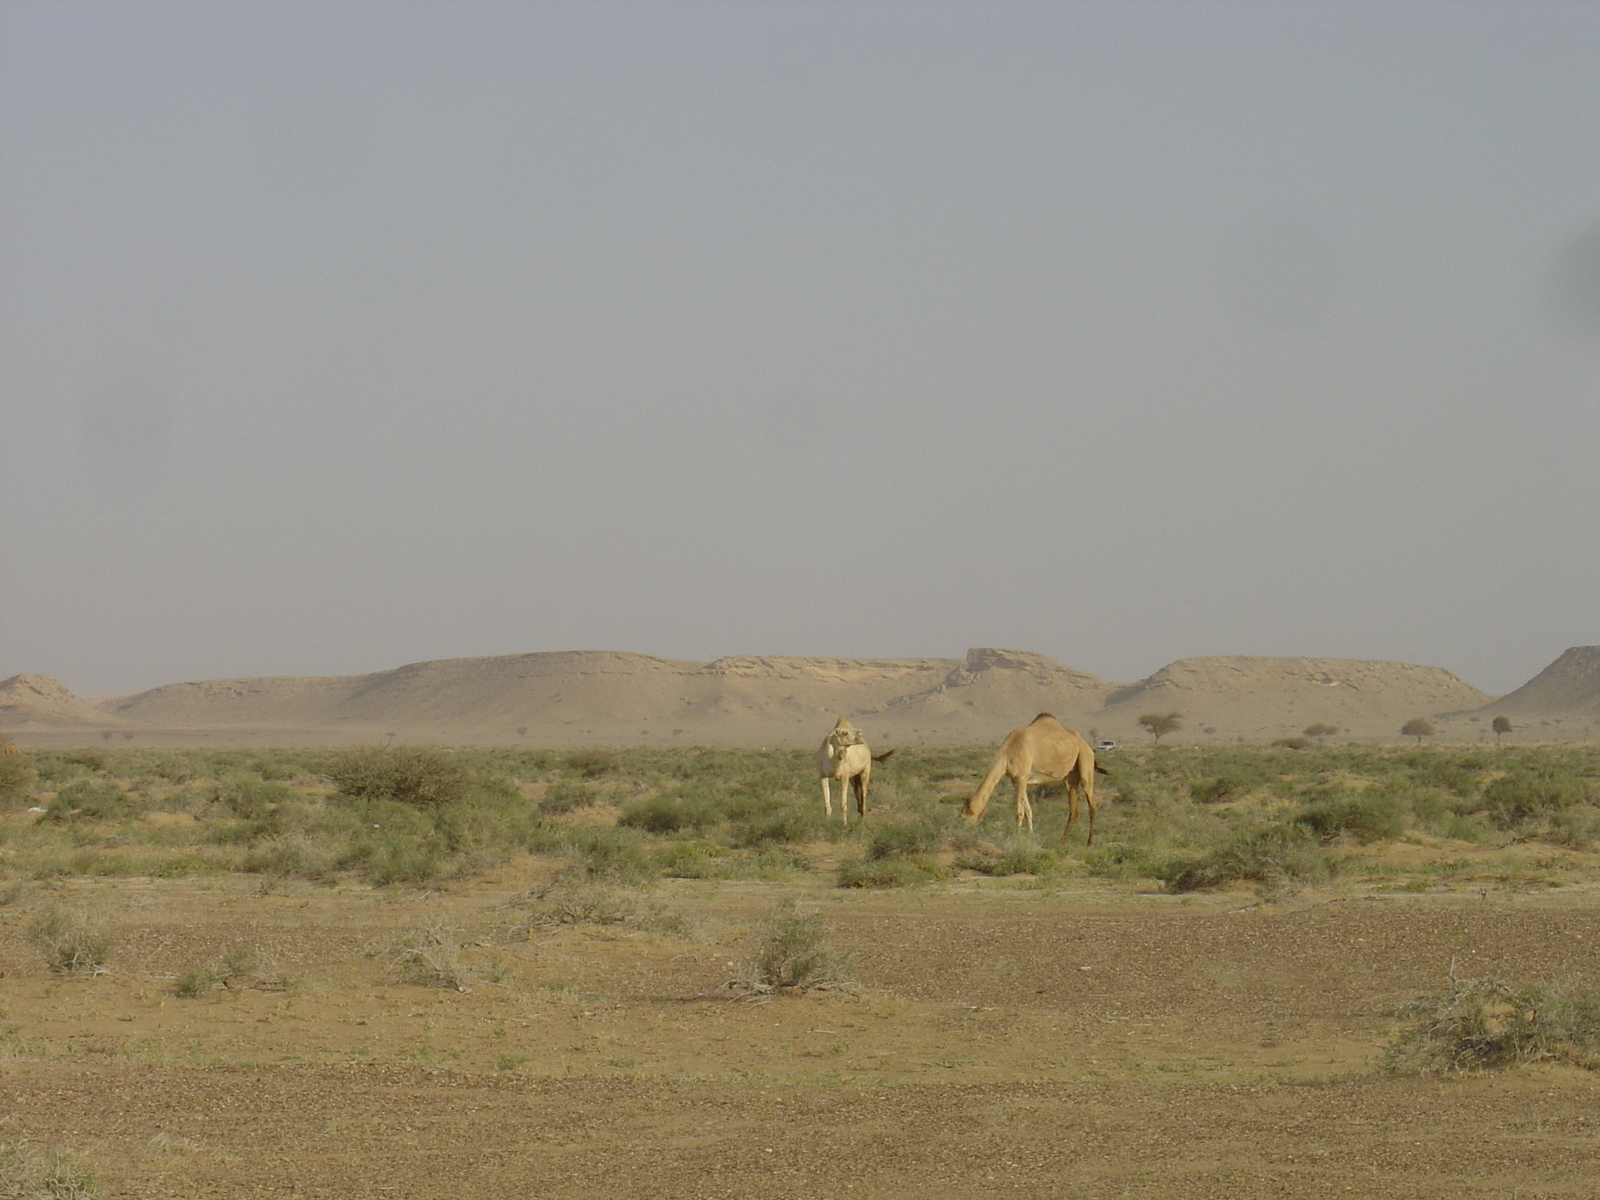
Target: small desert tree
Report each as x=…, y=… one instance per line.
x=1417, y=727
x=1320, y=730
x=1501, y=726
x=1160, y=723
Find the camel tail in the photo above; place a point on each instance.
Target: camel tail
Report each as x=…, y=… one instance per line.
x=979, y=800
x=881, y=757
x=1099, y=770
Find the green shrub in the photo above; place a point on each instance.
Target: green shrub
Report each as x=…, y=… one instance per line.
x=593, y=761
x=1530, y=795
x=412, y=775
x=567, y=795
x=899, y=839
x=670, y=814
x=606, y=854
x=1230, y=785
x=91, y=800
x=1366, y=816
x=1021, y=860
x=249, y=796
x=1274, y=854
x=885, y=873
x=17, y=774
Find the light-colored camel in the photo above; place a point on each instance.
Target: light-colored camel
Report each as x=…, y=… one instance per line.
x=845, y=758
x=1041, y=752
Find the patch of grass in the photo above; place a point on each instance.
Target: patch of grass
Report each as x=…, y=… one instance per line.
x=70, y=942
x=567, y=795
x=198, y=981
x=30, y=1174
x=1482, y=1024
x=885, y=873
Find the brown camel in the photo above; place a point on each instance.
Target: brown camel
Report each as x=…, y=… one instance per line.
x=844, y=757
x=1041, y=752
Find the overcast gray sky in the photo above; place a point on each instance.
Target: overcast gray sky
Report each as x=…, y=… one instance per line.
x=335, y=336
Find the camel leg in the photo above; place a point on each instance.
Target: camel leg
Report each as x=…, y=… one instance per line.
x=1074, y=786
x=1072, y=806
x=827, y=798
x=1024, y=809
x=860, y=785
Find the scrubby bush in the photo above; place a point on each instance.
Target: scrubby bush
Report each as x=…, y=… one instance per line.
x=17, y=774
x=885, y=873
x=794, y=955
x=1274, y=854
x=1479, y=1024
x=606, y=854
x=413, y=775
x=1366, y=816
x=69, y=941
x=1532, y=795
x=671, y=814
x=567, y=795
x=91, y=800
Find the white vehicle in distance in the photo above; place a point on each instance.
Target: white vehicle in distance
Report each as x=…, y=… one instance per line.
x=1105, y=745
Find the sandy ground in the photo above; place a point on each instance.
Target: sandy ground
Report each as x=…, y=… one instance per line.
x=1001, y=1041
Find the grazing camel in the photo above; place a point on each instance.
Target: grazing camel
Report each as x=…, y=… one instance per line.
x=1041, y=752
x=844, y=757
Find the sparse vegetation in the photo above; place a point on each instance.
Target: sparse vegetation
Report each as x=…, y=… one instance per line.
x=628, y=817
x=70, y=942
x=27, y=1173
x=793, y=956
x=1481, y=1024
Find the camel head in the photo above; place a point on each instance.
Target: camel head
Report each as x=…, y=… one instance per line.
x=846, y=734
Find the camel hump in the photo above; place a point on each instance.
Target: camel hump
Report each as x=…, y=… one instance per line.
x=1043, y=717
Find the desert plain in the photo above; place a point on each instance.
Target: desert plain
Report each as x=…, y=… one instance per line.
x=1074, y=1032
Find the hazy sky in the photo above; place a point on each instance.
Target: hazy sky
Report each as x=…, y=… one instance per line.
x=335, y=336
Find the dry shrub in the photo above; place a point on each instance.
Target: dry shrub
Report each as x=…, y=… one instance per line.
x=567, y=903
x=70, y=942
x=793, y=957
x=1480, y=1024
x=431, y=957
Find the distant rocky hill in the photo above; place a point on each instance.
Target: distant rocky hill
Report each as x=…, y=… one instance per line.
x=30, y=702
x=1568, y=688
x=611, y=697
